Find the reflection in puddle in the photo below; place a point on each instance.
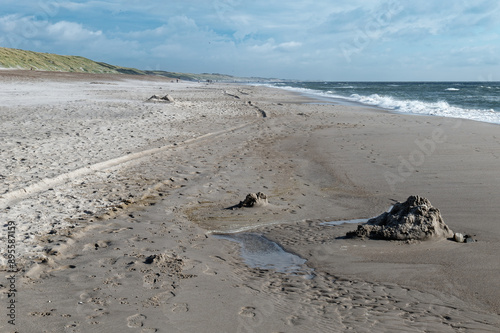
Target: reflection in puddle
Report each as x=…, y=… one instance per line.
x=260, y=252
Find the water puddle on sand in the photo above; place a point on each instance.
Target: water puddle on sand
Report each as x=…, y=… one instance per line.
x=356, y=221
x=260, y=252
x=346, y=221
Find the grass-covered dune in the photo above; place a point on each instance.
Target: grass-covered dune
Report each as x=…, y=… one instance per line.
x=21, y=59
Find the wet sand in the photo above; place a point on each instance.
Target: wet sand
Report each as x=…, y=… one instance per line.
x=115, y=202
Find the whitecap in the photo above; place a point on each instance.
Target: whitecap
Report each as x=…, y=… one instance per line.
x=438, y=108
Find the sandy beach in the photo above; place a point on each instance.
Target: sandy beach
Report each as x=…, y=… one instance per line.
x=113, y=203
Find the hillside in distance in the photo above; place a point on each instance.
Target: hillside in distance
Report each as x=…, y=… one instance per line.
x=29, y=60
x=21, y=59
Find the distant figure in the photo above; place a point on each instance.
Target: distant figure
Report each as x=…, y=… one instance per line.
x=177, y=80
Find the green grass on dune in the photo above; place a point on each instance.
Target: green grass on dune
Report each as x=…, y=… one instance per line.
x=21, y=59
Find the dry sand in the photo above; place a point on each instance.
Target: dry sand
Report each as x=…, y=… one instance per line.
x=115, y=202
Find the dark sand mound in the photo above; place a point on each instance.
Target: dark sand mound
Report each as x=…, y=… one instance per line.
x=414, y=219
x=254, y=200
x=166, y=99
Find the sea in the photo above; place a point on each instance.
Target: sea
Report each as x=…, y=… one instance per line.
x=479, y=101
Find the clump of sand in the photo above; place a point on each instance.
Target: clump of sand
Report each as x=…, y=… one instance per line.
x=254, y=200
x=167, y=98
x=414, y=219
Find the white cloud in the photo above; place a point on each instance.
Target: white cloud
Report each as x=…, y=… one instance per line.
x=270, y=46
x=9, y=23
x=71, y=32
x=260, y=37
x=109, y=5
x=29, y=28
x=289, y=45
x=65, y=38
x=74, y=6
x=176, y=26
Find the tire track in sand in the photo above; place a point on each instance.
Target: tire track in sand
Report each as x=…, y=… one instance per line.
x=47, y=183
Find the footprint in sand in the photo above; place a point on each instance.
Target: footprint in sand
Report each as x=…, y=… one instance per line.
x=101, y=244
x=136, y=320
x=209, y=271
x=180, y=307
x=293, y=320
x=72, y=327
x=247, y=311
x=158, y=299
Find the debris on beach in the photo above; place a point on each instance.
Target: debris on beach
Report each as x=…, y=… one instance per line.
x=458, y=237
x=461, y=238
x=414, y=219
x=167, y=98
x=254, y=200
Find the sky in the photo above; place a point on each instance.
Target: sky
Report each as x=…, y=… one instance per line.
x=327, y=40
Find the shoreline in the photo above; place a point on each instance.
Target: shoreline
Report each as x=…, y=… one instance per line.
x=350, y=101
x=129, y=245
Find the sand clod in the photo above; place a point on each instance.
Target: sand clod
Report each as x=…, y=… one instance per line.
x=254, y=200
x=167, y=98
x=414, y=219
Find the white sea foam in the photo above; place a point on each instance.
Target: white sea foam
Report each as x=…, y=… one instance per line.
x=440, y=108
x=452, y=89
